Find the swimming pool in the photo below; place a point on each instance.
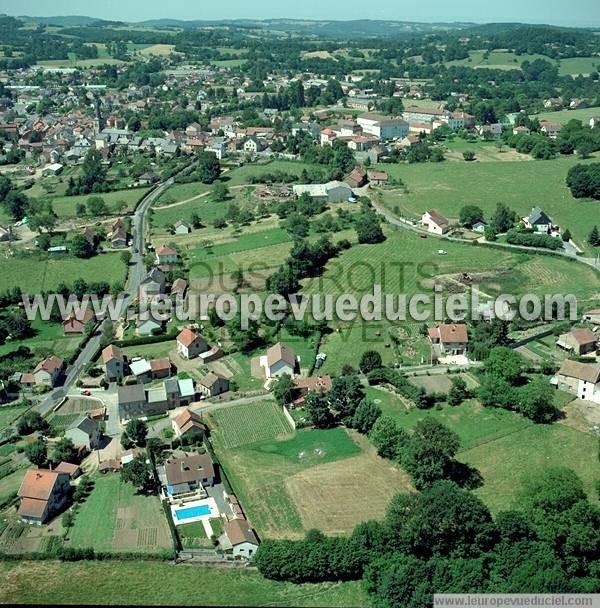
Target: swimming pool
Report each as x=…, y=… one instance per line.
x=192, y=512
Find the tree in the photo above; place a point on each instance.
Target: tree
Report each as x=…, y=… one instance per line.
x=536, y=400
x=96, y=206
x=139, y=473
x=505, y=363
x=368, y=228
x=318, y=410
x=137, y=431
x=503, y=219
x=283, y=389
x=469, y=155
x=470, y=215
x=81, y=247
x=366, y=416
x=388, y=437
x=37, y=453
x=458, y=391
x=345, y=395
x=64, y=451
x=431, y=449
x=566, y=235
x=31, y=421
x=369, y=361
x=220, y=192
x=208, y=168
x=43, y=242
x=594, y=238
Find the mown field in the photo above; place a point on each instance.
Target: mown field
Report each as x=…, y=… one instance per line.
x=66, y=206
x=503, y=446
x=47, y=336
x=115, y=518
x=564, y=116
x=251, y=423
x=521, y=185
x=158, y=583
x=35, y=274
x=9, y=413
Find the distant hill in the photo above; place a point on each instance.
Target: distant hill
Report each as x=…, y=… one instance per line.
x=64, y=21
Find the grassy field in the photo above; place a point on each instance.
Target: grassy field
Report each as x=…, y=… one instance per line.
x=564, y=116
x=260, y=474
x=502, y=445
x=115, y=518
x=139, y=583
x=34, y=274
x=9, y=413
x=504, y=60
x=520, y=185
x=48, y=336
x=251, y=423
x=65, y=206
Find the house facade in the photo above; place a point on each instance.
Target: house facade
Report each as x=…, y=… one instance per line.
x=433, y=221
x=43, y=495
x=190, y=343
x=580, y=379
x=114, y=363
x=451, y=338
x=213, y=384
x=84, y=433
x=279, y=359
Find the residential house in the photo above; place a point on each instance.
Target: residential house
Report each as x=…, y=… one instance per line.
x=149, y=178
x=550, y=128
x=43, y=495
x=114, y=363
x=141, y=369
x=74, y=325
x=452, y=338
x=521, y=130
x=377, y=178
x=252, y=145
x=304, y=386
x=187, y=473
x=118, y=234
x=188, y=424
x=131, y=401
x=152, y=285
x=538, y=220
x=479, y=227
x=435, y=222
x=166, y=255
x=48, y=371
x=239, y=539
x=279, y=359
x=84, y=433
x=160, y=368
x=181, y=227
x=190, y=343
x=579, y=341
x=212, y=384
x=581, y=379
x=357, y=178
x=423, y=114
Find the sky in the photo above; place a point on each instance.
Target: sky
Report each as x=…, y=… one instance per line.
x=556, y=12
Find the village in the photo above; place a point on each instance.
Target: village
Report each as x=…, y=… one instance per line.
x=161, y=164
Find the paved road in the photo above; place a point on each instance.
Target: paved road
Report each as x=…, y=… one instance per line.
x=396, y=221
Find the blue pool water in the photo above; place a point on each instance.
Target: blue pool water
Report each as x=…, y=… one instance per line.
x=190, y=512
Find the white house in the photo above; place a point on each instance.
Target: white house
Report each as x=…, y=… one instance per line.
x=280, y=359
x=239, y=539
x=435, y=222
x=180, y=227
x=538, y=221
x=581, y=379
x=166, y=255
x=47, y=371
x=190, y=343
x=84, y=432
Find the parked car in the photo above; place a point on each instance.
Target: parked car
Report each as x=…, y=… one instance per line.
x=86, y=393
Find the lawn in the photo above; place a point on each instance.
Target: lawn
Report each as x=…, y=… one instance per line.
x=66, y=206
x=115, y=518
x=158, y=583
x=34, y=274
x=244, y=424
x=520, y=185
x=9, y=413
x=260, y=473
